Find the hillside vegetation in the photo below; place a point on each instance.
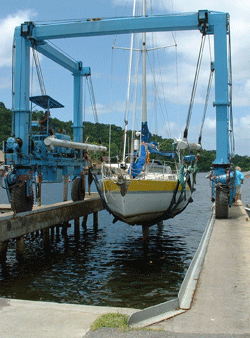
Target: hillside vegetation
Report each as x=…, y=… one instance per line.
x=94, y=131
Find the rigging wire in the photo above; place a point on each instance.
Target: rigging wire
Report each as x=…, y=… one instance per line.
x=61, y=50
x=39, y=70
x=92, y=98
x=208, y=92
x=206, y=103
x=198, y=66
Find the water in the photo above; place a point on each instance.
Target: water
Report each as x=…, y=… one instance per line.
x=109, y=266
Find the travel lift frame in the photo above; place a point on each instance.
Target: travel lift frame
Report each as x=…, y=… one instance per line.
x=27, y=162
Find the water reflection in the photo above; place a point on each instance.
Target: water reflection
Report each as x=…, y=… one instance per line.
x=109, y=265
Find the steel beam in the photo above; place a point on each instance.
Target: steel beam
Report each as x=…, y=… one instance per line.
x=63, y=60
x=21, y=86
x=127, y=25
x=221, y=91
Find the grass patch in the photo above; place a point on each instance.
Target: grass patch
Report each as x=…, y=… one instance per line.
x=111, y=320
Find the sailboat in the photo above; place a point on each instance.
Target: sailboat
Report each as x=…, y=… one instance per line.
x=141, y=191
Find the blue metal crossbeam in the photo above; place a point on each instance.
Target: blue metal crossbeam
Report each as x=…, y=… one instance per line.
x=62, y=59
x=96, y=27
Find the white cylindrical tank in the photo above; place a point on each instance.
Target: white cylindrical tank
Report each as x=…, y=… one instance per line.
x=52, y=141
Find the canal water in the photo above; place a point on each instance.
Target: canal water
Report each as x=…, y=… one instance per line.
x=109, y=266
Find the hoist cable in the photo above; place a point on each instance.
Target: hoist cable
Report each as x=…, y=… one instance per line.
x=39, y=71
x=92, y=98
x=206, y=103
x=198, y=66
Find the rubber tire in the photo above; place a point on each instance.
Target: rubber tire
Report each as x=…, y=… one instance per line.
x=77, y=192
x=221, y=203
x=19, y=201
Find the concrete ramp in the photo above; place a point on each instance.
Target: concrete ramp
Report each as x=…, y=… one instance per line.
x=221, y=303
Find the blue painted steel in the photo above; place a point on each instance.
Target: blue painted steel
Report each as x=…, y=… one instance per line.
x=80, y=28
x=221, y=91
x=46, y=102
x=21, y=89
x=78, y=108
x=62, y=59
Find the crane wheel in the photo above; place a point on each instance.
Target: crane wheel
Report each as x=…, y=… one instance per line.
x=77, y=190
x=221, y=201
x=18, y=199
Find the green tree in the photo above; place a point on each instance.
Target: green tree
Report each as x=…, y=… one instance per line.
x=93, y=132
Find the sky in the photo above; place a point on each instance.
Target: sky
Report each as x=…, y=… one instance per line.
x=109, y=67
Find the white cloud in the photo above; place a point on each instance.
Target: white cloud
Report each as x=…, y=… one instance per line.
x=189, y=42
x=7, y=27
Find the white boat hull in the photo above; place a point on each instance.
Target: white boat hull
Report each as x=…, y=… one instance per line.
x=144, y=201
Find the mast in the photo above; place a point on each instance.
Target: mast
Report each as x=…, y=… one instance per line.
x=145, y=135
x=128, y=92
x=144, y=87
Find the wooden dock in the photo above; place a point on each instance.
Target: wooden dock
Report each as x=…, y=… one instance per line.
x=15, y=226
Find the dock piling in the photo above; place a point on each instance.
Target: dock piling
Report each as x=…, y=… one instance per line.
x=95, y=220
x=84, y=222
x=76, y=228
x=19, y=248
x=3, y=251
x=145, y=233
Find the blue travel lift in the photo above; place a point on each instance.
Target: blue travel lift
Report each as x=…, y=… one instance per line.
x=27, y=153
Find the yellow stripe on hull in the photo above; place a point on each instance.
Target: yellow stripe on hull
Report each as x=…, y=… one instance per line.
x=142, y=185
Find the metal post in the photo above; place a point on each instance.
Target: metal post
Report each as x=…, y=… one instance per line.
x=221, y=90
x=78, y=108
x=21, y=91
